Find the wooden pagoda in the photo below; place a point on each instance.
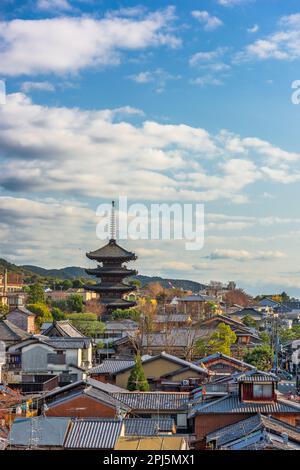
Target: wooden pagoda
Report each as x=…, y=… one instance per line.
x=111, y=271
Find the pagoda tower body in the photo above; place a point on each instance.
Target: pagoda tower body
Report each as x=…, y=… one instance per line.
x=111, y=271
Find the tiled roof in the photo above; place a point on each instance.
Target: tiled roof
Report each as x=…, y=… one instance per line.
x=232, y=404
x=247, y=426
x=106, y=387
x=11, y=332
x=171, y=318
x=218, y=355
x=234, y=431
x=111, y=250
x=148, y=426
x=93, y=434
x=267, y=302
x=197, y=298
x=67, y=343
x=104, y=397
x=279, y=427
x=91, y=392
x=111, y=366
x=22, y=309
x=182, y=338
x=257, y=376
x=39, y=431
x=157, y=401
x=249, y=311
x=177, y=360
x=163, y=355
x=65, y=328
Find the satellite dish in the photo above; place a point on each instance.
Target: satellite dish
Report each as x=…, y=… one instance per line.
x=2, y=352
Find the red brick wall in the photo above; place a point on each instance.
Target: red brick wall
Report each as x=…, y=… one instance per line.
x=81, y=407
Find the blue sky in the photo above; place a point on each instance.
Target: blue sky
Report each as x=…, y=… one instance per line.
x=179, y=102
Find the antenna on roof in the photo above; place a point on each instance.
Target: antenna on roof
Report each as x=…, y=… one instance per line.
x=113, y=222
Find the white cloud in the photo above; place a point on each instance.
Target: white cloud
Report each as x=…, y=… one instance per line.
x=283, y=44
x=206, y=80
x=209, y=22
x=53, y=5
x=206, y=56
x=245, y=255
x=231, y=3
x=214, y=69
x=69, y=44
x=42, y=86
x=38, y=230
x=159, y=77
x=102, y=153
x=177, y=266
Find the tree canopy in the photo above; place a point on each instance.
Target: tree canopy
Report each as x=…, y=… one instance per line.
x=42, y=313
x=222, y=339
x=261, y=357
x=249, y=321
x=137, y=379
x=35, y=294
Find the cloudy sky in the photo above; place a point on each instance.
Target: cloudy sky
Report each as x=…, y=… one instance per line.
x=181, y=102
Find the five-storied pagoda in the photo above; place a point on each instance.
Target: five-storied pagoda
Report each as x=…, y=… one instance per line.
x=112, y=271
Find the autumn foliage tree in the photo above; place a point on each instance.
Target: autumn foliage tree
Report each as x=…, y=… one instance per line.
x=237, y=297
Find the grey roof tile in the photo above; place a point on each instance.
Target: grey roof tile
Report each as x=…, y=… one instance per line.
x=48, y=431
x=93, y=434
x=232, y=404
x=148, y=426
x=156, y=401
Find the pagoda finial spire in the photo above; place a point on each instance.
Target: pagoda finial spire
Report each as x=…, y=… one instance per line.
x=113, y=222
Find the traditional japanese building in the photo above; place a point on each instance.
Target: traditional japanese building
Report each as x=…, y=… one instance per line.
x=111, y=271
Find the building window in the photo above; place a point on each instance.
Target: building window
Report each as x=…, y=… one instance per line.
x=262, y=391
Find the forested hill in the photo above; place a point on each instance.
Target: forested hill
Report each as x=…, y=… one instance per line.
x=75, y=272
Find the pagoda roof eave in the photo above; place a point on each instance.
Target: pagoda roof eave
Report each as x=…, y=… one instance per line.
x=103, y=288
x=118, y=303
x=105, y=270
x=111, y=251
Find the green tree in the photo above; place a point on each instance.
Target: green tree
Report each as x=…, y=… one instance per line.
x=90, y=328
x=35, y=294
x=58, y=314
x=261, y=357
x=285, y=297
x=77, y=283
x=222, y=339
x=42, y=313
x=210, y=308
x=249, y=321
x=4, y=309
x=67, y=284
x=265, y=337
x=81, y=316
x=135, y=282
x=286, y=335
x=201, y=346
x=127, y=313
x=137, y=379
x=296, y=330
x=75, y=303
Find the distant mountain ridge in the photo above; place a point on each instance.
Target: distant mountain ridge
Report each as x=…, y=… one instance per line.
x=75, y=272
